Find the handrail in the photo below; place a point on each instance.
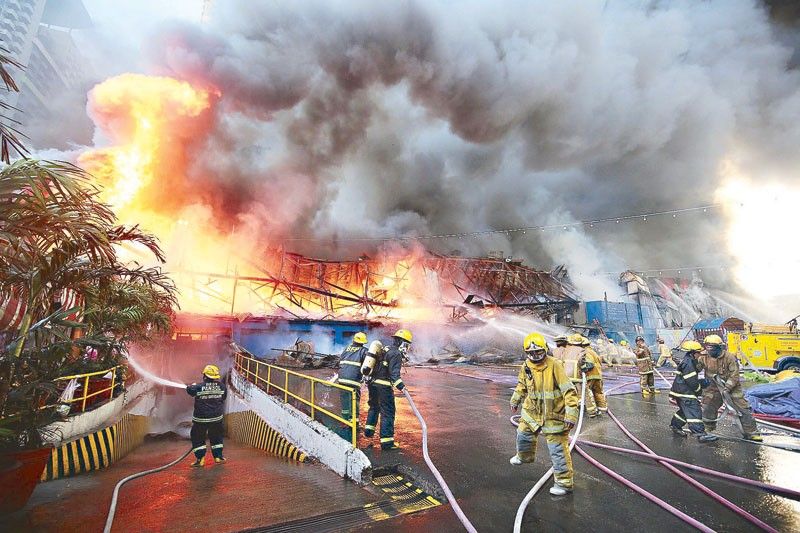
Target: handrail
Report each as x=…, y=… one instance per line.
x=89, y=374
x=86, y=394
x=283, y=387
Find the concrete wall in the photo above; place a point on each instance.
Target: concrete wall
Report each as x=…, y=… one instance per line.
x=85, y=423
x=311, y=437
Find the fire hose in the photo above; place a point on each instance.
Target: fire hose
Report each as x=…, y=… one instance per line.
x=450, y=498
x=539, y=484
x=789, y=493
x=113, y=507
x=655, y=499
x=702, y=488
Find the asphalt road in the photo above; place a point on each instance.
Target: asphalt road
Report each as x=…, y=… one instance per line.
x=471, y=440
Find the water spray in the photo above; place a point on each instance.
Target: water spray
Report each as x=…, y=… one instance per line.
x=146, y=374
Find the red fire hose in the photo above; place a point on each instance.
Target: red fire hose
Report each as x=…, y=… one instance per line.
x=699, y=486
x=789, y=493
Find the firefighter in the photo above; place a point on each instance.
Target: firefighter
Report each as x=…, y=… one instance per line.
x=625, y=352
x=549, y=406
x=209, y=406
x=665, y=355
x=561, y=345
x=686, y=391
x=602, y=351
x=590, y=365
x=573, y=357
x=350, y=374
x=644, y=363
x=719, y=364
x=381, y=396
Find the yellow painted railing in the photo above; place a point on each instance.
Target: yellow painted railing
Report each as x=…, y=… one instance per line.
x=274, y=380
x=85, y=388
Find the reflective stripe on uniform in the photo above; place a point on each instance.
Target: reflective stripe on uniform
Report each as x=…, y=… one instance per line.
x=692, y=396
x=679, y=417
x=353, y=363
x=398, y=382
x=381, y=382
x=369, y=426
x=694, y=420
x=203, y=447
x=350, y=382
x=690, y=374
x=387, y=439
x=215, y=446
x=206, y=420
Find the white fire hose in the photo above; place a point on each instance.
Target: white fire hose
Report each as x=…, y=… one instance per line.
x=450, y=498
x=113, y=507
x=539, y=484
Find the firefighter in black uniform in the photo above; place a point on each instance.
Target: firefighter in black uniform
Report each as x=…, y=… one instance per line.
x=686, y=391
x=381, y=396
x=209, y=406
x=350, y=373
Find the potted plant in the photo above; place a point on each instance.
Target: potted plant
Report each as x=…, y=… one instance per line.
x=56, y=238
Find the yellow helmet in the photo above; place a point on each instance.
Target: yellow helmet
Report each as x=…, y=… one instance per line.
x=211, y=371
x=403, y=334
x=713, y=339
x=360, y=338
x=585, y=341
x=534, y=342
x=576, y=339
x=691, y=346
x=623, y=343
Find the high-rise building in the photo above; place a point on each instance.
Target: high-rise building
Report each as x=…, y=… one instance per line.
x=38, y=34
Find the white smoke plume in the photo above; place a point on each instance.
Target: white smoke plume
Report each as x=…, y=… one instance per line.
x=414, y=118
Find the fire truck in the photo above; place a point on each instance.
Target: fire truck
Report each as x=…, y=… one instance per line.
x=771, y=348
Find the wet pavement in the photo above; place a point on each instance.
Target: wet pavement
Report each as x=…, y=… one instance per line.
x=252, y=489
x=470, y=440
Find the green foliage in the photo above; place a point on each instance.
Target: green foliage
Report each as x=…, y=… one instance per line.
x=56, y=235
x=9, y=134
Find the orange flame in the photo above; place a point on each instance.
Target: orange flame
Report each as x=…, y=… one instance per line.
x=151, y=124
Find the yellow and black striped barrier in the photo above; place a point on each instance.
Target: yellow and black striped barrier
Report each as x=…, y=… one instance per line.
x=96, y=450
x=249, y=428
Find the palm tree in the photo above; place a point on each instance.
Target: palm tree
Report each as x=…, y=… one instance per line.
x=9, y=134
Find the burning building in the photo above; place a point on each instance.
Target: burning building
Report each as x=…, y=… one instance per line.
x=416, y=286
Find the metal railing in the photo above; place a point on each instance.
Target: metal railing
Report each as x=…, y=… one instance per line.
x=276, y=381
x=85, y=387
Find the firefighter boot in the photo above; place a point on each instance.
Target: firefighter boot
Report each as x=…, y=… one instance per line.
x=678, y=431
x=559, y=490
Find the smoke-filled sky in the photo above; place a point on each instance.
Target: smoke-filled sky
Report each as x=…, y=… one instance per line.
x=365, y=119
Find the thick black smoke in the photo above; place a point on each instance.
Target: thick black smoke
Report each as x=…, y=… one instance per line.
x=365, y=119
